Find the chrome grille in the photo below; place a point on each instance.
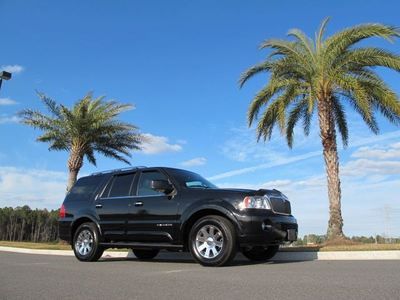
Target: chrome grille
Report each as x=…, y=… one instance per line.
x=280, y=205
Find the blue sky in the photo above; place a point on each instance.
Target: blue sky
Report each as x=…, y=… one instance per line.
x=178, y=62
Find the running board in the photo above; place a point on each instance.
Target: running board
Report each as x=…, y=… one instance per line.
x=141, y=245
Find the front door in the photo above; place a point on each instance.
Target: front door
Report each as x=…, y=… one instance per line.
x=113, y=206
x=153, y=215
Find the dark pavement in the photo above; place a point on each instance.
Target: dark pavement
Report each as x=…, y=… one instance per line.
x=176, y=276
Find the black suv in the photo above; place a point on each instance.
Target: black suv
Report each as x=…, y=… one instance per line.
x=148, y=209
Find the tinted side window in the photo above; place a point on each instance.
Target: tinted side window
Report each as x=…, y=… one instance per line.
x=85, y=186
x=119, y=186
x=144, y=188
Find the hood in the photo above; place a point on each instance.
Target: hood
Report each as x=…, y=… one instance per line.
x=246, y=192
x=259, y=192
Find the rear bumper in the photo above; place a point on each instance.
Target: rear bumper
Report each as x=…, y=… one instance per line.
x=267, y=229
x=64, y=230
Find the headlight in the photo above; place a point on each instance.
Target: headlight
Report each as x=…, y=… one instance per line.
x=261, y=202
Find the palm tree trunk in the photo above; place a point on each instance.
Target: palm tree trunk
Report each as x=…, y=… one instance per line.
x=328, y=137
x=75, y=163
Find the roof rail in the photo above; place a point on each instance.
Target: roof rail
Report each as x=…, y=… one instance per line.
x=118, y=170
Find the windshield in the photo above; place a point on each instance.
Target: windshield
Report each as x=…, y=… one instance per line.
x=192, y=180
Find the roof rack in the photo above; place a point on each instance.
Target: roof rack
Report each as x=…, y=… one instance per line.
x=118, y=170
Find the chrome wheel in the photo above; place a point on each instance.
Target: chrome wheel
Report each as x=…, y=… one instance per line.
x=209, y=241
x=84, y=242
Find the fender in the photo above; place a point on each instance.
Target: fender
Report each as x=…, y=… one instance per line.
x=219, y=205
x=88, y=216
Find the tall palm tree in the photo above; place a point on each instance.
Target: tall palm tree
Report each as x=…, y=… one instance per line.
x=90, y=126
x=325, y=75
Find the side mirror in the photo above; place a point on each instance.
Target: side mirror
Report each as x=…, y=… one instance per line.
x=162, y=186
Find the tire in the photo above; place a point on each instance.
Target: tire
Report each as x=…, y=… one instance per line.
x=212, y=241
x=261, y=253
x=86, y=243
x=145, y=254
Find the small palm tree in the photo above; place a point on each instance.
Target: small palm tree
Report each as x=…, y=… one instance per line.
x=90, y=126
x=325, y=76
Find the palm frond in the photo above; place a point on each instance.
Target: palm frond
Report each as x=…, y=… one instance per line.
x=90, y=125
x=339, y=115
x=320, y=35
x=262, y=67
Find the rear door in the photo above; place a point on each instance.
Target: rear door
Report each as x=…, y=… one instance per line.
x=153, y=214
x=113, y=206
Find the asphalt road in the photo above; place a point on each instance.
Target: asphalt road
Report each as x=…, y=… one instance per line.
x=174, y=276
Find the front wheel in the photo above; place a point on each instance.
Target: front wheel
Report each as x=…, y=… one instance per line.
x=145, y=254
x=86, y=243
x=260, y=253
x=212, y=241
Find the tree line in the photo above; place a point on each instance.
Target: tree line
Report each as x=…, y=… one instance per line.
x=315, y=239
x=26, y=224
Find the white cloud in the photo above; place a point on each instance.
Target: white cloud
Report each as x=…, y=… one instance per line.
x=9, y=119
x=153, y=144
x=243, y=147
x=182, y=142
x=7, y=101
x=377, y=152
x=366, y=167
x=279, y=160
x=34, y=187
x=371, y=139
x=15, y=69
x=198, y=161
x=374, y=162
x=276, y=163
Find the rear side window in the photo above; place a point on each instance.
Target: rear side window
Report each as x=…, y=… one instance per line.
x=120, y=186
x=85, y=186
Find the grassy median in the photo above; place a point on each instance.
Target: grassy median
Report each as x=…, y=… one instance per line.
x=30, y=245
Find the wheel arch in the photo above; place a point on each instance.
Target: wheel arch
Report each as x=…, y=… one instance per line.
x=78, y=222
x=206, y=211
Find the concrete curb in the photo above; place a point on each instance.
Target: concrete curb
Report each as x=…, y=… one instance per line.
x=338, y=255
x=111, y=254
x=281, y=256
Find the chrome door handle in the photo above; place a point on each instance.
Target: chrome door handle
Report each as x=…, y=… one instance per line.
x=139, y=203
x=99, y=205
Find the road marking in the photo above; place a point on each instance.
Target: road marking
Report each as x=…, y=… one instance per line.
x=171, y=271
x=29, y=264
x=176, y=271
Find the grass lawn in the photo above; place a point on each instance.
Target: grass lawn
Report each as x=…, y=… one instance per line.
x=29, y=245
x=359, y=247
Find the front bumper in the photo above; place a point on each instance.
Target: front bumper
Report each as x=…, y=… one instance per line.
x=262, y=228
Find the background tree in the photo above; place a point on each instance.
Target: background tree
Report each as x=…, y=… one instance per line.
x=325, y=76
x=90, y=126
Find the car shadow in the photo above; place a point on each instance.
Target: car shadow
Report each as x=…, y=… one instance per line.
x=186, y=258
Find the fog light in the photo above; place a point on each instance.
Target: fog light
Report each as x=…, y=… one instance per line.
x=266, y=225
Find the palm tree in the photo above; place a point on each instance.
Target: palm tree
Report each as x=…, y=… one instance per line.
x=90, y=126
x=325, y=75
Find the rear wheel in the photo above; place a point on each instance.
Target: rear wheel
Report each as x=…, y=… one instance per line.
x=145, y=254
x=260, y=253
x=212, y=241
x=86, y=243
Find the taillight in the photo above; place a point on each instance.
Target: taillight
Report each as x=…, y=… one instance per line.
x=62, y=212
